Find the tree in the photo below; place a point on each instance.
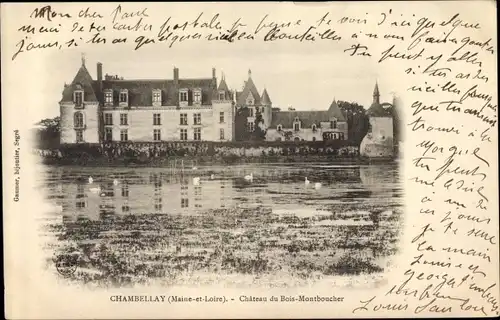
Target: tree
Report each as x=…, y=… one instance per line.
x=260, y=131
x=48, y=136
x=357, y=121
x=50, y=124
x=240, y=124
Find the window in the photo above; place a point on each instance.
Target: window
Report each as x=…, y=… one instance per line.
x=184, y=134
x=341, y=136
x=123, y=119
x=221, y=117
x=108, y=96
x=222, y=134
x=108, y=119
x=250, y=126
x=314, y=139
x=156, y=119
x=125, y=191
x=157, y=96
x=183, y=96
x=197, y=118
x=333, y=124
x=79, y=136
x=279, y=128
x=197, y=134
x=108, y=134
x=156, y=134
x=296, y=124
x=222, y=96
x=184, y=119
x=78, y=120
x=124, y=135
x=197, y=96
x=78, y=98
x=123, y=96
x=249, y=101
x=184, y=203
x=314, y=129
x=125, y=208
x=250, y=112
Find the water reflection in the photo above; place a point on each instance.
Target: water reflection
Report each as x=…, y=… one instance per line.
x=152, y=221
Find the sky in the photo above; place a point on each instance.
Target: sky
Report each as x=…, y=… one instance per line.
x=304, y=82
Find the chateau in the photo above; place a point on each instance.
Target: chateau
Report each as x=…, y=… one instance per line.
x=291, y=125
x=114, y=109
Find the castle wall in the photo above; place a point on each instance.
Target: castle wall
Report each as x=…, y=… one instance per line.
x=141, y=126
x=90, y=121
x=379, y=141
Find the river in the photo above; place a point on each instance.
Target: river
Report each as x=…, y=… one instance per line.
x=210, y=224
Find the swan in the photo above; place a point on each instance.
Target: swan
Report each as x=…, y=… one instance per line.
x=317, y=185
x=115, y=182
x=91, y=180
x=212, y=176
x=307, y=181
x=249, y=177
x=95, y=190
x=196, y=181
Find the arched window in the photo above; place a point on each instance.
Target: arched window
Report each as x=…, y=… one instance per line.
x=279, y=127
x=296, y=139
x=314, y=129
x=78, y=120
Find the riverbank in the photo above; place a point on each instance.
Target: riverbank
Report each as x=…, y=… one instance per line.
x=188, y=162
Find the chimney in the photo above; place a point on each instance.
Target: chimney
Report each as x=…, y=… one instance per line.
x=99, y=75
x=176, y=76
x=214, y=78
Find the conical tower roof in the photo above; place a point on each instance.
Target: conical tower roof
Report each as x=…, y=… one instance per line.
x=83, y=79
x=265, y=98
x=334, y=111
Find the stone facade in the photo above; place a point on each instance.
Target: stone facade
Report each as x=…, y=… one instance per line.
x=290, y=125
x=114, y=109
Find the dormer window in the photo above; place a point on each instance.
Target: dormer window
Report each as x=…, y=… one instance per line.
x=279, y=128
x=183, y=96
x=296, y=124
x=333, y=123
x=222, y=95
x=108, y=97
x=124, y=97
x=78, y=98
x=157, y=97
x=197, y=96
x=314, y=128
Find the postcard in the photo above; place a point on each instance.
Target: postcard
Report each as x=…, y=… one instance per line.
x=250, y=159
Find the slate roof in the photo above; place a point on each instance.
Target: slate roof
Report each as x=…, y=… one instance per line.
x=223, y=85
x=84, y=80
x=335, y=111
x=249, y=87
x=141, y=91
x=378, y=110
x=265, y=98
